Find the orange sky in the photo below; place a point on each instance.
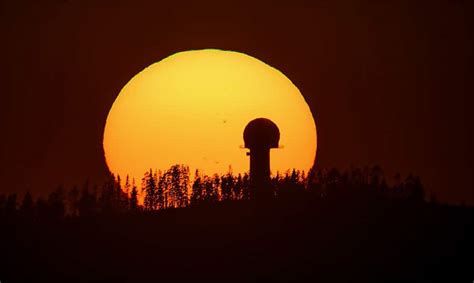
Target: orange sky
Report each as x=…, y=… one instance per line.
x=388, y=82
x=192, y=107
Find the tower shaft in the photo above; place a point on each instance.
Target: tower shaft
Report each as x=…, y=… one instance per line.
x=260, y=173
x=260, y=135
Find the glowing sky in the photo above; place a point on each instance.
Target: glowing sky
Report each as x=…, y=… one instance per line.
x=192, y=107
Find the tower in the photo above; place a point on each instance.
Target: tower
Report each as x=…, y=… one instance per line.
x=260, y=135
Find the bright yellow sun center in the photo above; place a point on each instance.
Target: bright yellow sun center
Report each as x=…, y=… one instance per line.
x=192, y=107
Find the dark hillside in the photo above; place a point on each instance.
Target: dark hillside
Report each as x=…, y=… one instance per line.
x=344, y=239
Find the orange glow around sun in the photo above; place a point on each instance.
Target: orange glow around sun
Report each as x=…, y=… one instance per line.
x=192, y=107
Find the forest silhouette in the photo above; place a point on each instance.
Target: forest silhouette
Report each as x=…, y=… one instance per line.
x=173, y=188
x=171, y=226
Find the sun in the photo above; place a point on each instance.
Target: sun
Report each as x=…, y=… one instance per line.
x=192, y=108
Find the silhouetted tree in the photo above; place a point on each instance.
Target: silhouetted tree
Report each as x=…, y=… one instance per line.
x=56, y=204
x=227, y=183
x=119, y=197
x=357, y=178
x=197, y=189
x=237, y=188
x=11, y=205
x=289, y=184
x=210, y=188
x=160, y=190
x=73, y=201
x=246, y=186
x=415, y=189
x=109, y=198
x=383, y=186
x=172, y=188
x=27, y=208
x=344, y=180
x=42, y=209
x=87, y=202
x=376, y=175
x=127, y=186
x=398, y=187
x=134, y=197
x=322, y=188
x=149, y=187
x=177, y=185
x=311, y=180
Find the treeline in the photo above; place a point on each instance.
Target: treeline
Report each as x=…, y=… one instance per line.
x=174, y=188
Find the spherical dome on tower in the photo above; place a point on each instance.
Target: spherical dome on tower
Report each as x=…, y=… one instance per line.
x=261, y=133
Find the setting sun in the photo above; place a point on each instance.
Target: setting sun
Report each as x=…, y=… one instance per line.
x=192, y=107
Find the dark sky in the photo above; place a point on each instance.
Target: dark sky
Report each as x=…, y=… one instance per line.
x=387, y=82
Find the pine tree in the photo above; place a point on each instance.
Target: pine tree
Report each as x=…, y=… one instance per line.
x=174, y=189
x=117, y=199
x=376, y=174
x=197, y=189
x=87, y=205
x=133, y=197
x=126, y=194
x=237, y=188
x=216, y=182
x=108, y=194
x=208, y=189
x=11, y=204
x=415, y=189
x=56, y=203
x=160, y=190
x=27, y=208
x=275, y=182
x=398, y=186
x=149, y=186
x=73, y=201
x=227, y=183
x=176, y=185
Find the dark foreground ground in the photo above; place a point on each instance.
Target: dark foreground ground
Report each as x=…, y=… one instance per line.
x=302, y=240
